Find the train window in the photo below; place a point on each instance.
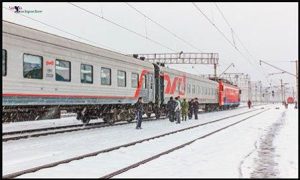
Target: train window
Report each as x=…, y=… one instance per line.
x=193, y=89
x=62, y=70
x=134, y=80
x=4, y=62
x=121, y=78
x=145, y=82
x=86, y=73
x=105, y=76
x=189, y=88
x=32, y=66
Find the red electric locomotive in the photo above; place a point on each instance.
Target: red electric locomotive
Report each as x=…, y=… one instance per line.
x=229, y=95
x=290, y=100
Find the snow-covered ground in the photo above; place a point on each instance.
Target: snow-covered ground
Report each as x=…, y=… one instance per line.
x=112, y=161
x=224, y=154
x=27, y=153
x=286, y=146
x=229, y=153
x=26, y=125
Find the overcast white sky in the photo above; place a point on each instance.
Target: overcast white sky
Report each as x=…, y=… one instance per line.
x=268, y=30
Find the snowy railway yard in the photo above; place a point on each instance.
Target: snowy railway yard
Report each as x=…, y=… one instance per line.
x=123, y=94
x=260, y=142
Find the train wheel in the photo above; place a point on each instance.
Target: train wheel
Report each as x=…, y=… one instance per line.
x=111, y=120
x=107, y=118
x=86, y=119
x=130, y=117
x=149, y=114
x=157, y=115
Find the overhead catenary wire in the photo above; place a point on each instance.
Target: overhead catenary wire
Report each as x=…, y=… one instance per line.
x=163, y=27
x=123, y=27
x=211, y=22
x=234, y=33
x=248, y=60
x=61, y=30
x=166, y=29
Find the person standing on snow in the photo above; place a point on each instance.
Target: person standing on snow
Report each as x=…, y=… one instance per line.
x=139, y=112
x=171, y=109
x=177, y=110
x=184, y=109
x=191, y=102
x=249, y=104
x=196, y=108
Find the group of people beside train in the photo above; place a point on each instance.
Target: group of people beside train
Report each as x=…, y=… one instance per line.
x=175, y=109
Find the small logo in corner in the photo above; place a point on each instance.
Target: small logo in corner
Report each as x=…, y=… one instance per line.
x=17, y=9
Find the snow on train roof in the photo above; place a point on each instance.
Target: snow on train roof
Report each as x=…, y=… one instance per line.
x=27, y=32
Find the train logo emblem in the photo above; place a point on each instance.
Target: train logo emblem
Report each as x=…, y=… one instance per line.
x=49, y=62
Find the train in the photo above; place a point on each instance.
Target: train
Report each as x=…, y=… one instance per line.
x=43, y=73
x=290, y=100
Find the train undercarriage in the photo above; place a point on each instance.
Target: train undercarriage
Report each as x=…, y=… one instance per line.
x=110, y=113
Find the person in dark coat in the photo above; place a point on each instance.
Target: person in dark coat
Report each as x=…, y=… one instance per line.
x=196, y=107
x=171, y=109
x=249, y=104
x=139, y=112
x=190, y=114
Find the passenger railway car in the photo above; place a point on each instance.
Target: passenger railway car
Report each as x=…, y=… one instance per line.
x=188, y=86
x=43, y=74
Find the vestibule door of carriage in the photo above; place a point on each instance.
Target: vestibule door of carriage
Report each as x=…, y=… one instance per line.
x=148, y=88
x=151, y=88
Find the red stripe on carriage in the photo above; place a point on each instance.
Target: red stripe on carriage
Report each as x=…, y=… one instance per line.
x=64, y=96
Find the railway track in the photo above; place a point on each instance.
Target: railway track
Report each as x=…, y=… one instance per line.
x=23, y=134
x=134, y=165
x=34, y=169
x=53, y=130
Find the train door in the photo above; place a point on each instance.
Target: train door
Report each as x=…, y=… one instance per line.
x=145, y=89
x=159, y=85
x=151, y=87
